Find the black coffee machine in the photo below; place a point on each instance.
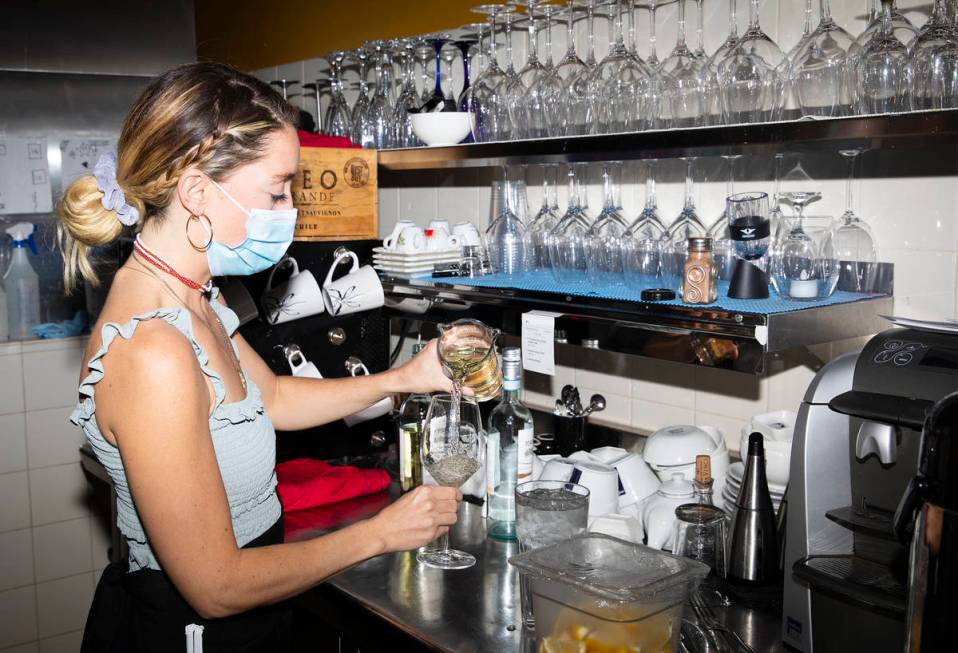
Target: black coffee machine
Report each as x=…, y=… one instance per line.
x=855, y=466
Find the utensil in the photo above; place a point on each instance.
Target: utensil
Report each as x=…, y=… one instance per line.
x=707, y=620
x=596, y=405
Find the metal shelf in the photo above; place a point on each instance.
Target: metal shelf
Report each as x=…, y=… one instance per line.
x=881, y=131
x=676, y=333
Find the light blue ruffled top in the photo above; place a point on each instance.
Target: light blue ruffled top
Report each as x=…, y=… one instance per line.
x=242, y=433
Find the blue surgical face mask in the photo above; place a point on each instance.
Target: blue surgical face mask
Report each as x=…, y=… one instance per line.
x=268, y=235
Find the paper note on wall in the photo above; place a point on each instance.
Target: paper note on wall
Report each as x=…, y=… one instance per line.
x=24, y=176
x=538, y=342
x=79, y=155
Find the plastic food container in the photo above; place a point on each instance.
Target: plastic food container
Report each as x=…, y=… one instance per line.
x=596, y=593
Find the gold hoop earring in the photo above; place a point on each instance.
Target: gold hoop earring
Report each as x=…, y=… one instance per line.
x=207, y=225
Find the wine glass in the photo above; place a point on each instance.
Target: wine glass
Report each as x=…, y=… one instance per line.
x=656, y=103
x=570, y=67
x=623, y=83
x=544, y=100
x=438, y=102
x=799, y=190
x=819, y=69
x=807, y=267
x=362, y=133
x=489, y=105
x=408, y=101
x=424, y=54
x=533, y=92
x=567, y=242
x=451, y=453
x=854, y=241
x=683, y=72
x=317, y=89
x=699, y=52
x=934, y=63
x=749, y=77
x=380, y=110
x=787, y=68
x=337, y=122
x=722, y=248
x=506, y=235
x=603, y=240
x=642, y=243
x=710, y=88
x=581, y=89
x=686, y=225
x=881, y=70
x=895, y=33
x=544, y=222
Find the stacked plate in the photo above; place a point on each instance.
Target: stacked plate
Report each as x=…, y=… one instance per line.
x=734, y=483
x=412, y=264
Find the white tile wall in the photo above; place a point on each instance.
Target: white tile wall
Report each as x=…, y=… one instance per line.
x=50, y=543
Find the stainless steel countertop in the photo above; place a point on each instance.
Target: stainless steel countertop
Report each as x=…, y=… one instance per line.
x=475, y=609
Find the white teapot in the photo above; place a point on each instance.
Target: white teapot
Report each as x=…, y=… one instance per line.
x=658, y=510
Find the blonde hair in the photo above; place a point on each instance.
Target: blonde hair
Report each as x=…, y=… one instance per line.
x=207, y=116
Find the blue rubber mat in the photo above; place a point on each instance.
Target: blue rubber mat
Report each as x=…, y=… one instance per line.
x=544, y=282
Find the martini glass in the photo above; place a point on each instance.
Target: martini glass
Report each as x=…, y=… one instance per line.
x=683, y=72
x=603, y=241
x=819, y=69
x=854, y=241
x=489, y=107
x=934, y=63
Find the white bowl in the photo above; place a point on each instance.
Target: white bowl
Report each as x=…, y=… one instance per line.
x=679, y=445
x=442, y=128
x=778, y=456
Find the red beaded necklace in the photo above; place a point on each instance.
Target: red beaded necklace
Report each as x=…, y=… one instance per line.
x=151, y=257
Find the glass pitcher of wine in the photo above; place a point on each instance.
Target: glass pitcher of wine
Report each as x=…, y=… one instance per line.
x=467, y=352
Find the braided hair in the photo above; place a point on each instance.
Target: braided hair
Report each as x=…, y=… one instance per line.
x=207, y=116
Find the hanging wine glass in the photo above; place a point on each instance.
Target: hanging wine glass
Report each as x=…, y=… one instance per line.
x=337, y=121
x=790, y=105
x=570, y=67
x=465, y=47
x=683, y=74
x=317, y=93
x=819, y=69
x=567, y=242
x=603, y=240
x=723, y=249
x=408, y=101
x=854, y=241
x=623, y=83
x=381, y=105
x=425, y=53
x=489, y=108
x=699, y=52
x=537, y=234
x=686, y=225
x=534, y=90
x=934, y=63
x=452, y=454
x=881, y=69
x=644, y=242
x=362, y=130
x=582, y=90
x=902, y=30
x=714, y=108
x=438, y=102
x=749, y=77
x=656, y=102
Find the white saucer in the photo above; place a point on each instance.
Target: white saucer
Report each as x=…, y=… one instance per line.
x=408, y=256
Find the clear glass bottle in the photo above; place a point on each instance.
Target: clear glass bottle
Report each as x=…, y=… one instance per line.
x=703, y=480
x=509, y=450
x=412, y=413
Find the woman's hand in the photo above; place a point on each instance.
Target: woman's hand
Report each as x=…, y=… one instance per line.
x=423, y=373
x=417, y=518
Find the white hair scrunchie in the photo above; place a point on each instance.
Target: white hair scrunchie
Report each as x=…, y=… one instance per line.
x=113, y=199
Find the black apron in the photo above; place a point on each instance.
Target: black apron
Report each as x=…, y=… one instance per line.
x=142, y=612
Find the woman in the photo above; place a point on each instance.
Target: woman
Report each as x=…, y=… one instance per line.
x=178, y=407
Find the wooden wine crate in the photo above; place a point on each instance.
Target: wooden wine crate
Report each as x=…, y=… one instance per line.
x=336, y=194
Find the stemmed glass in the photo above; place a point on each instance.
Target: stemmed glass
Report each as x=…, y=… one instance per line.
x=381, y=106
x=699, y=52
x=787, y=68
x=464, y=46
x=506, y=236
x=775, y=217
x=317, y=89
x=901, y=29
x=749, y=77
x=683, y=73
x=537, y=234
x=408, y=101
x=337, y=121
x=438, y=102
x=451, y=453
x=656, y=102
x=714, y=108
x=643, y=243
x=362, y=133
x=854, y=242
x=532, y=92
x=686, y=225
x=723, y=250
x=582, y=89
x=424, y=54
x=567, y=242
x=881, y=69
x=603, y=240
x=934, y=63
x=489, y=105
x=819, y=69
x=623, y=83
x=569, y=68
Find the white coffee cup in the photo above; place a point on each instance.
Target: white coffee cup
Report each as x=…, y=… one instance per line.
x=302, y=367
x=468, y=234
x=439, y=239
x=603, y=483
x=389, y=242
x=636, y=480
x=608, y=455
x=358, y=290
x=440, y=225
x=557, y=469
x=378, y=409
x=300, y=296
x=411, y=240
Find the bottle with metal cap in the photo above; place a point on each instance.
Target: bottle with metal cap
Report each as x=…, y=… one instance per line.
x=753, y=550
x=509, y=449
x=699, y=275
x=412, y=415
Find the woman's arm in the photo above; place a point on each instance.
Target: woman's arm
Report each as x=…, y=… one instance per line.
x=295, y=403
x=154, y=402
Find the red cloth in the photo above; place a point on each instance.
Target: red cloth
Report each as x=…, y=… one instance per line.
x=322, y=140
x=307, y=483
